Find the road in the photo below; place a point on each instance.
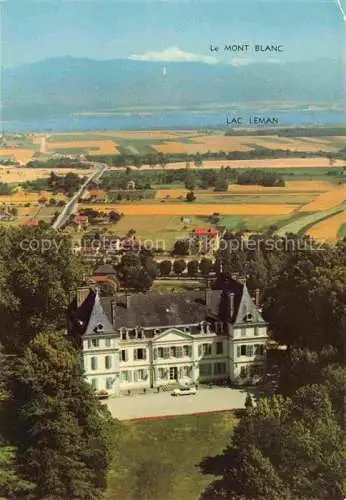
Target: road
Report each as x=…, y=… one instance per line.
x=163, y=404
x=70, y=207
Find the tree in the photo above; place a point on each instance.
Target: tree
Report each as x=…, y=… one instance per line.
x=59, y=428
x=190, y=196
x=165, y=267
x=181, y=247
x=205, y=266
x=305, y=303
x=248, y=401
x=179, y=266
x=190, y=180
x=192, y=268
x=12, y=485
x=37, y=273
x=284, y=448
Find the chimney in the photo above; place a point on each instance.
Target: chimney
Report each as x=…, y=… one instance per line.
x=113, y=310
x=231, y=312
x=82, y=294
x=257, y=297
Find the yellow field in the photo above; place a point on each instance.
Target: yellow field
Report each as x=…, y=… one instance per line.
x=101, y=147
x=22, y=197
x=326, y=200
x=197, y=209
x=22, y=174
x=147, y=134
x=295, y=186
x=22, y=156
x=264, y=164
x=218, y=142
x=328, y=229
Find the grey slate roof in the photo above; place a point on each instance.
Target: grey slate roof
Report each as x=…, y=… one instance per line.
x=153, y=310
x=98, y=319
x=105, y=269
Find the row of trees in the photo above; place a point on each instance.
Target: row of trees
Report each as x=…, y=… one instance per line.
x=54, y=439
x=193, y=267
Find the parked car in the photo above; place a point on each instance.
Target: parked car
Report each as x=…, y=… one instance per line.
x=103, y=394
x=184, y=391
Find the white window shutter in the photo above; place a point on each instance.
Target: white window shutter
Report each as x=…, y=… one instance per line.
x=238, y=351
x=135, y=376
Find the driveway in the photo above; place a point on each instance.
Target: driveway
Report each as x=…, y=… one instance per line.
x=163, y=404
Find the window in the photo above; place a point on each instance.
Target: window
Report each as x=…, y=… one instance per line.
x=123, y=333
x=95, y=342
x=256, y=370
x=108, y=342
x=173, y=373
x=219, y=347
x=173, y=352
x=125, y=376
x=163, y=373
x=94, y=363
x=219, y=368
x=259, y=349
x=249, y=350
x=109, y=382
x=108, y=362
x=94, y=383
x=186, y=371
x=245, y=350
x=123, y=355
x=160, y=352
x=166, y=352
x=140, y=354
x=243, y=372
x=205, y=370
x=179, y=352
x=187, y=350
x=206, y=349
x=141, y=374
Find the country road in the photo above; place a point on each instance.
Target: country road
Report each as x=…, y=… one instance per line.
x=69, y=208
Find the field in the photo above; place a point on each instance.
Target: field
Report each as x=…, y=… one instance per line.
x=159, y=459
x=197, y=208
x=21, y=197
x=219, y=142
x=326, y=200
x=100, y=147
x=329, y=228
x=23, y=174
x=22, y=156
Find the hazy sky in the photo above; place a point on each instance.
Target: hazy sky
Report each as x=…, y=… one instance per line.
x=103, y=29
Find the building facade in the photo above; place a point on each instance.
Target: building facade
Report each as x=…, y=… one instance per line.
x=148, y=340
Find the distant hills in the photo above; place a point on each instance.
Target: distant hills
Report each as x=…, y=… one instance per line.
x=69, y=85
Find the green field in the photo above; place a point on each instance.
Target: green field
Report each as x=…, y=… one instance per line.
x=159, y=459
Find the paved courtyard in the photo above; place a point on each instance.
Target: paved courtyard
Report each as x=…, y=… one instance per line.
x=164, y=404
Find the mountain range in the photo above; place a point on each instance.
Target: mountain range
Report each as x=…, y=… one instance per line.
x=63, y=85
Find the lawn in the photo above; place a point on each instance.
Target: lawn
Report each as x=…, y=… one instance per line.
x=159, y=459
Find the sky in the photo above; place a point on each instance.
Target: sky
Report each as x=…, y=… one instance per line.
x=33, y=30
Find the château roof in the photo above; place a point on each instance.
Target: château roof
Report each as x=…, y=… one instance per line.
x=229, y=301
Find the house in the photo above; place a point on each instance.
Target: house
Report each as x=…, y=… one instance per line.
x=81, y=221
x=204, y=241
x=31, y=221
x=96, y=196
x=105, y=277
x=145, y=341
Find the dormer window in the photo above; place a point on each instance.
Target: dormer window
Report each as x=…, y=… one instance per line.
x=248, y=317
x=99, y=328
x=123, y=333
